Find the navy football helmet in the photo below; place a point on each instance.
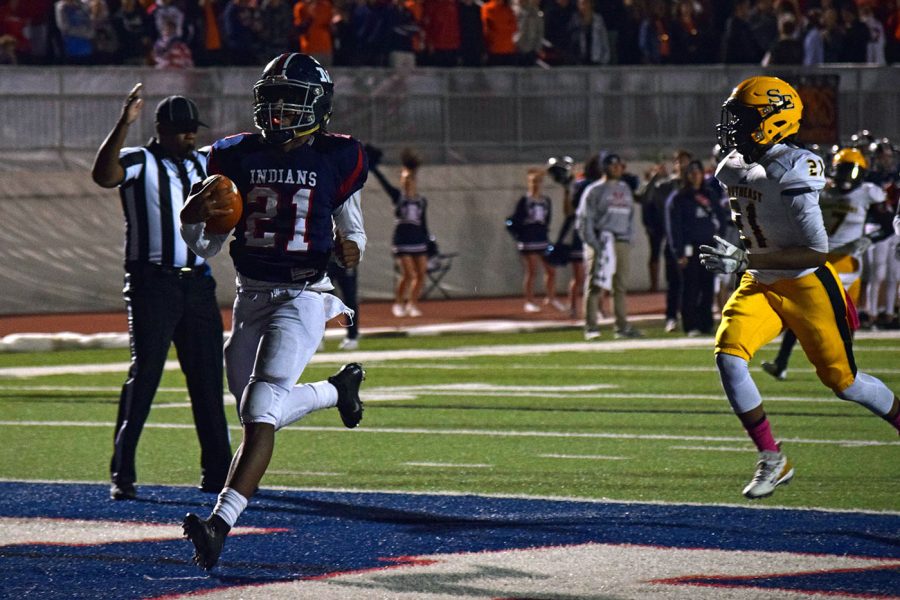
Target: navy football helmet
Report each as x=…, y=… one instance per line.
x=292, y=98
x=560, y=169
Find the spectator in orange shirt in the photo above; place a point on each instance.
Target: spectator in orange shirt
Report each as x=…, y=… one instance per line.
x=416, y=10
x=500, y=28
x=209, y=48
x=312, y=21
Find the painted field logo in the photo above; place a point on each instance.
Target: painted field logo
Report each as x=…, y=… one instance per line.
x=69, y=541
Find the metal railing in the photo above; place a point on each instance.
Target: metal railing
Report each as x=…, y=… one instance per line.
x=454, y=116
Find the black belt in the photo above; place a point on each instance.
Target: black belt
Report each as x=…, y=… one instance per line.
x=179, y=272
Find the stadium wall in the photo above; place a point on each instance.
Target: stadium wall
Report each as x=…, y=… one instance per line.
x=61, y=244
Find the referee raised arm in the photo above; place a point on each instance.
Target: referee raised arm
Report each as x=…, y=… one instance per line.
x=169, y=291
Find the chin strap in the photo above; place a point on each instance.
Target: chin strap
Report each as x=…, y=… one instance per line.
x=752, y=153
x=283, y=136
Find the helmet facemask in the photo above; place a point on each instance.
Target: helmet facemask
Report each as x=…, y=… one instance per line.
x=848, y=176
x=285, y=109
x=738, y=128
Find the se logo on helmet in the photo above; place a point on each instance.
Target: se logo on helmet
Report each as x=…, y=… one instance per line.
x=781, y=101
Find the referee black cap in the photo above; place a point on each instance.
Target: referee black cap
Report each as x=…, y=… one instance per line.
x=179, y=112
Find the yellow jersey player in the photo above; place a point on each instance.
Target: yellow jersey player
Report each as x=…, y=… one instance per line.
x=845, y=202
x=773, y=186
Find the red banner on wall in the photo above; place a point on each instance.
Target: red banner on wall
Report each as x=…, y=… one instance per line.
x=819, y=94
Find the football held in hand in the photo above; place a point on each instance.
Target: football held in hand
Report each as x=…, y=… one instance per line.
x=226, y=195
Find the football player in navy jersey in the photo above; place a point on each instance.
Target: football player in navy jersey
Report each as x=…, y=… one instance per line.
x=301, y=203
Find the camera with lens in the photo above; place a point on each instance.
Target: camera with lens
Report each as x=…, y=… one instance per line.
x=560, y=169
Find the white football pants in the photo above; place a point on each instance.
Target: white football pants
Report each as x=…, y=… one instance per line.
x=274, y=335
x=884, y=270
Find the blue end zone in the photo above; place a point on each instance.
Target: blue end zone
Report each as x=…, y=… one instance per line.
x=331, y=532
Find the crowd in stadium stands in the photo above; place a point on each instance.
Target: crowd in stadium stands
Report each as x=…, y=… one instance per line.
x=405, y=33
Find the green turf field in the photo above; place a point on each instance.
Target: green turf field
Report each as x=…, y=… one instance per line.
x=516, y=415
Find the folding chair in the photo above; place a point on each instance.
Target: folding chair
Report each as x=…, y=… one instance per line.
x=438, y=266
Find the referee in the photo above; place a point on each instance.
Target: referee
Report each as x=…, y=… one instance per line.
x=169, y=291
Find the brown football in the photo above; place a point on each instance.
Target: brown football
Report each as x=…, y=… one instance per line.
x=223, y=187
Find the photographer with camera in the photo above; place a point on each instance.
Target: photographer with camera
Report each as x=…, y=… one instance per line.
x=573, y=190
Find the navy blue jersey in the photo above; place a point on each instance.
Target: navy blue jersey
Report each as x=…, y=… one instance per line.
x=533, y=218
x=410, y=211
x=410, y=226
x=285, y=233
x=411, y=232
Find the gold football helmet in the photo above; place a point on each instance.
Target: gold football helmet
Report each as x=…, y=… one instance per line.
x=849, y=168
x=760, y=111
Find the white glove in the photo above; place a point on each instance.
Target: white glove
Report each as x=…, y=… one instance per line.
x=724, y=257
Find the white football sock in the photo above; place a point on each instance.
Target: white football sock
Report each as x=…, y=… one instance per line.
x=230, y=506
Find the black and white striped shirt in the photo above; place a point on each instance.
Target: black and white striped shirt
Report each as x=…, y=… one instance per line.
x=153, y=193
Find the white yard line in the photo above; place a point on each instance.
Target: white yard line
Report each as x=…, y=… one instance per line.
x=643, y=368
x=584, y=456
x=485, y=390
x=712, y=448
x=387, y=394
x=481, y=387
x=681, y=344
x=474, y=432
x=80, y=388
x=303, y=473
x=538, y=367
x=448, y=465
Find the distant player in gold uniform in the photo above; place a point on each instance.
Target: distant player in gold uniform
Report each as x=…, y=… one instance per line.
x=773, y=186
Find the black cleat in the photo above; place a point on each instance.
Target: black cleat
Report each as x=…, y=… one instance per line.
x=208, y=537
x=775, y=370
x=122, y=491
x=347, y=382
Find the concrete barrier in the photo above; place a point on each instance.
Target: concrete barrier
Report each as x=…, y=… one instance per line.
x=61, y=243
